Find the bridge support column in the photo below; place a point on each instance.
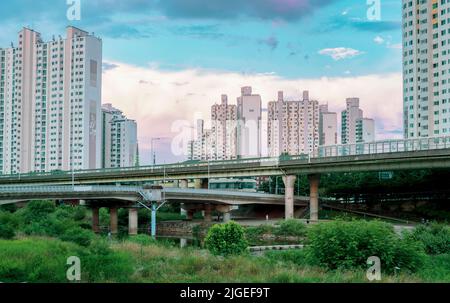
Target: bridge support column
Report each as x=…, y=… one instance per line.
x=113, y=220
x=208, y=210
x=95, y=220
x=184, y=183
x=190, y=214
x=314, y=181
x=183, y=211
x=133, y=221
x=226, y=217
x=289, y=182
x=201, y=183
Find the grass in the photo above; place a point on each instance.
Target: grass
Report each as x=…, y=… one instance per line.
x=39, y=259
x=158, y=263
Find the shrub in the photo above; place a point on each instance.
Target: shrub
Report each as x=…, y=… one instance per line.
x=8, y=225
x=78, y=235
x=37, y=210
x=347, y=245
x=291, y=227
x=435, y=238
x=226, y=239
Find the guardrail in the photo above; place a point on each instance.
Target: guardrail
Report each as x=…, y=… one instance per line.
x=371, y=148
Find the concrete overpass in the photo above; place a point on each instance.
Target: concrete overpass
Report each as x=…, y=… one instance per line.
x=377, y=156
x=131, y=197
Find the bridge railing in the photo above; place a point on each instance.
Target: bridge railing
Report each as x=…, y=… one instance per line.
x=377, y=147
x=381, y=147
x=67, y=188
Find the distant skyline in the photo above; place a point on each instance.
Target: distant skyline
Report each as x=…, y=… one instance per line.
x=166, y=60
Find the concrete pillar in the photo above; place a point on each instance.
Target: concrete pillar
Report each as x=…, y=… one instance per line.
x=190, y=215
x=95, y=219
x=201, y=183
x=184, y=183
x=208, y=210
x=314, y=197
x=289, y=182
x=113, y=220
x=183, y=211
x=226, y=217
x=133, y=221
x=176, y=184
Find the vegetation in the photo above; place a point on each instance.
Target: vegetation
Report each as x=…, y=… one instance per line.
x=347, y=245
x=435, y=238
x=226, y=239
x=38, y=239
x=291, y=227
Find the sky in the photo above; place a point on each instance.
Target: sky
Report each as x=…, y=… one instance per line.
x=167, y=61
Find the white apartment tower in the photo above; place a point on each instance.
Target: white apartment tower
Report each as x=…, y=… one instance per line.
x=354, y=127
x=50, y=96
x=119, y=145
x=426, y=68
x=223, y=132
x=365, y=130
x=249, y=115
x=293, y=126
x=327, y=126
x=201, y=147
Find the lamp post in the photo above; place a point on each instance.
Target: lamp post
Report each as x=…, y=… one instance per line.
x=153, y=156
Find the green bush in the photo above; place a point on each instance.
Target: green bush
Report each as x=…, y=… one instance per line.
x=8, y=225
x=78, y=235
x=347, y=245
x=226, y=239
x=36, y=210
x=291, y=227
x=435, y=238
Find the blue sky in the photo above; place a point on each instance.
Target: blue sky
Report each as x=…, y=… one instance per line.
x=264, y=37
x=185, y=53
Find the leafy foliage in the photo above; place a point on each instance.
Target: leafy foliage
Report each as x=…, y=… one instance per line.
x=8, y=225
x=291, y=227
x=435, y=238
x=347, y=245
x=226, y=239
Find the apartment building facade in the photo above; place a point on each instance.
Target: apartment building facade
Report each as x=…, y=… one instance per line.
x=50, y=103
x=119, y=139
x=426, y=67
x=293, y=126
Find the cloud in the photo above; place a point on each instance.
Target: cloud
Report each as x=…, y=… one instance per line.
x=378, y=40
x=340, y=53
x=272, y=42
x=232, y=9
x=157, y=107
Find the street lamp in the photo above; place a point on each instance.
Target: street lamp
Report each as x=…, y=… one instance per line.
x=153, y=156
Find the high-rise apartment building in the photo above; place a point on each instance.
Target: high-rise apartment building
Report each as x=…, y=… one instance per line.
x=426, y=68
x=50, y=99
x=119, y=139
x=327, y=126
x=354, y=127
x=293, y=126
x=365, y=130
x=249, y=115
x=201, y=148
x=223, y=132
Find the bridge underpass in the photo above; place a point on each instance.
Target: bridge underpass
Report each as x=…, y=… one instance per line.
x=132, y=198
